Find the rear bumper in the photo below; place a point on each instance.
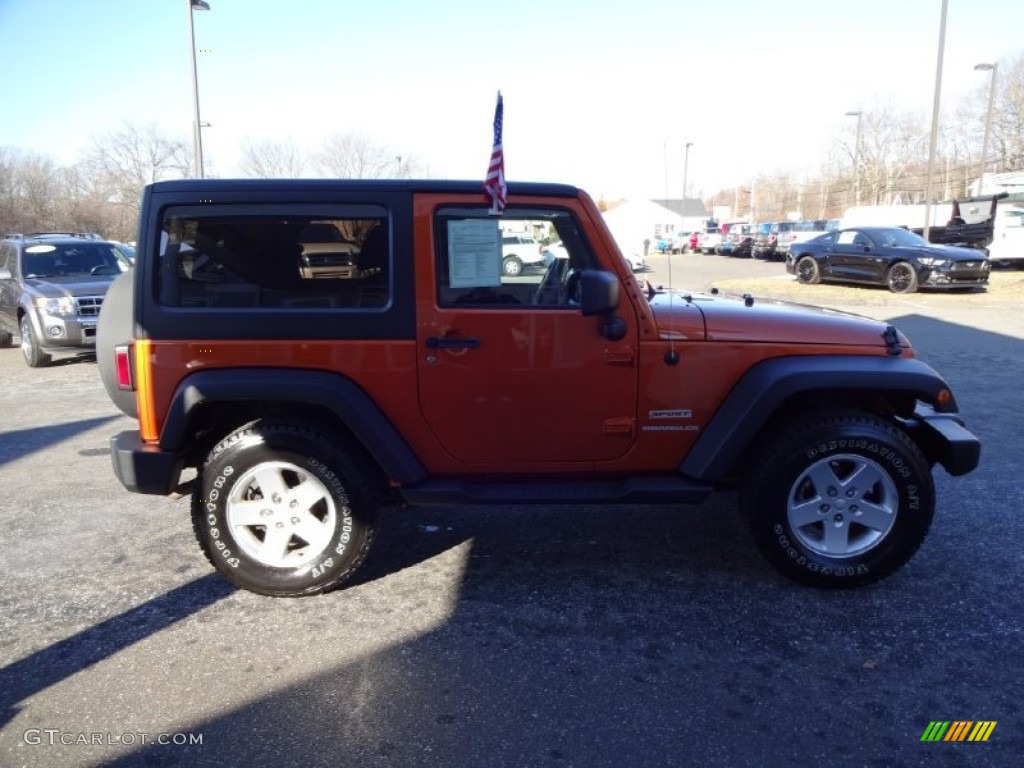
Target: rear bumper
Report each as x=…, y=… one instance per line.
x=144, y=468
x=946, y=440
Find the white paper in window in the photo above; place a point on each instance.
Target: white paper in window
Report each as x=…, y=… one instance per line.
x=474, y=253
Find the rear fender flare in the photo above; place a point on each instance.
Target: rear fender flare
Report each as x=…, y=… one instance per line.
x=334, y=392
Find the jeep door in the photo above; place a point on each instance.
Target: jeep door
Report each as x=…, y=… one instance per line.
x=511, y=373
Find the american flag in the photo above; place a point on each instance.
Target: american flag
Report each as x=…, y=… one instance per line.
x=494, y=184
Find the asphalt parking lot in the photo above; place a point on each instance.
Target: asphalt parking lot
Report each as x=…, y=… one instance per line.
x=515, y=636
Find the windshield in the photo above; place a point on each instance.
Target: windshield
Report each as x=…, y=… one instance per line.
x=72, y=260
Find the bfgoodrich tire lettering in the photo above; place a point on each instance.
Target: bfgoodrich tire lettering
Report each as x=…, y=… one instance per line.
x=839, y=500
x=280, y=510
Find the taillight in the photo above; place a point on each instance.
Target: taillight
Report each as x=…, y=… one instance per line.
x=123, y=366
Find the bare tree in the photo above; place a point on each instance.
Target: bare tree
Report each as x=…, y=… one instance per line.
x=356, y=156
x=123, y=161
x=31, y=189
x=272, y=159
x=1008, y=121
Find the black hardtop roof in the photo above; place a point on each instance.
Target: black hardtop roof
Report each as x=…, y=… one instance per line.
x=396, y=185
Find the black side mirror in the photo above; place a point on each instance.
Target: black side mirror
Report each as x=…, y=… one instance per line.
x=599, y=292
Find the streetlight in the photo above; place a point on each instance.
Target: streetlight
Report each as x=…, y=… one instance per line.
x=197, y=127
x=935, y=122
x=988, y=119
x=686, y=169
x=856, y=156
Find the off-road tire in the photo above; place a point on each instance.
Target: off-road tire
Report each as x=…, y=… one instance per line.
x=901, y=278
x=31, y=351
x=314, y=491
x=848, y=482
x=807, y=271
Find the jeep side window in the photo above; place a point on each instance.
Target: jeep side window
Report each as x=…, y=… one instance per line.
x=275, y=258
x=526, y=257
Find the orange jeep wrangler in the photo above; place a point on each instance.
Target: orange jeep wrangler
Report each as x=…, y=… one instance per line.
x=316, y=349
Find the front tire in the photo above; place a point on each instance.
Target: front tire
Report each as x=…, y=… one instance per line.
x=30, y=348
x=901, y=278
x=808, y=271
x=280, y=510
x=839, y=500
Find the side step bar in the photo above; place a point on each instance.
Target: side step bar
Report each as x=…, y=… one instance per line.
x=644, y=490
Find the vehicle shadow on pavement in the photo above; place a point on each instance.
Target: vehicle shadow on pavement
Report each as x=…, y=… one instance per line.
x=50, y=665
x=23, y=442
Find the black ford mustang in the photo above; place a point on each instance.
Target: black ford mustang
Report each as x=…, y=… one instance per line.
x=889, y=256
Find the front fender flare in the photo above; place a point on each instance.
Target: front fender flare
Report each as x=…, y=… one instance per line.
x=758, y=395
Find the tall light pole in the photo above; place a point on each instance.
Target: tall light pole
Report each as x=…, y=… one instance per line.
x=664, y=164
x=988, y=120
x=935, y=122
x=856, y=155
x=197, y=127
x=686, y=169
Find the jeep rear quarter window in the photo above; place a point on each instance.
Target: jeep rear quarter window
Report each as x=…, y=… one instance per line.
x=275, y=259
x=500, y=262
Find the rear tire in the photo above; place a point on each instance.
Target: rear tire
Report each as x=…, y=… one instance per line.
x=839, y=500
x=281, y=510
x=6, y=339
x=512, y=266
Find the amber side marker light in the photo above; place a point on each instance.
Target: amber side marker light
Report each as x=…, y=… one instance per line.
x=944, y=397
x=123, y=366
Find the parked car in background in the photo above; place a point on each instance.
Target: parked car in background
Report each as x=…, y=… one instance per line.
x=889, y=256
x=680, y=242
x=709, y=240
x=325, y=252
x=763, y=245
x=737, y=239
x=518, y=251
x=798, y=232
x=51, y=289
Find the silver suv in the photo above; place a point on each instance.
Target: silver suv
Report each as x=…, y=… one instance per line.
x=51, y=289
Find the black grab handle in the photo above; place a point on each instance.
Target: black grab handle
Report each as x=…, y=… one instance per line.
x=454, y=342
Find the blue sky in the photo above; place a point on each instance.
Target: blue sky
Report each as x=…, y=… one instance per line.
x=597, y=94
